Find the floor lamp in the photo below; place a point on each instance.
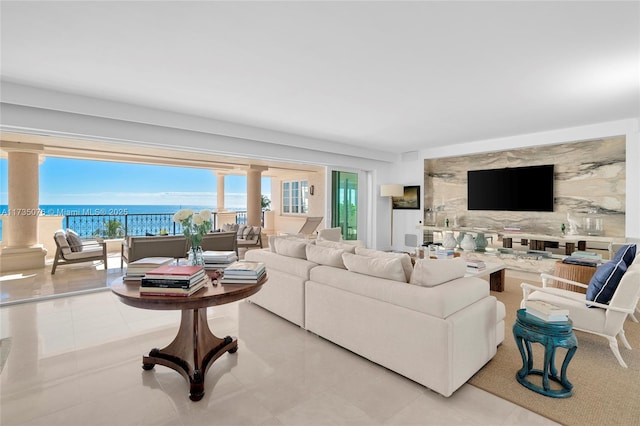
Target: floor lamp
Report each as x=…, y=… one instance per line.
x=391, y=190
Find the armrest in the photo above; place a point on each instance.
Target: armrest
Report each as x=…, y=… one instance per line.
x=528, y=288
x=96, y=243
x=547, y=277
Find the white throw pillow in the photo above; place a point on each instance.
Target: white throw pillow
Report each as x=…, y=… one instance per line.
x=291, y=248
x=325, y=256
x=404, y=258
x=382, y=267
x=433, y=272
x=348, y=248
x=75, y=243
x=273, y=238
x=61, y=239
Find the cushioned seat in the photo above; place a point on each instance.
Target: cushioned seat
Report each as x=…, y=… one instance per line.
x=249, y=236
x=70, y=248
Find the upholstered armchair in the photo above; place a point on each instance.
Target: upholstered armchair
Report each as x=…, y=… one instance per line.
x=602, y=319
x=138, y=247
x=249, y=236
x=70, y=248
x=220, y=241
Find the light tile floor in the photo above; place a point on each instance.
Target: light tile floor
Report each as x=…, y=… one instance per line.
x=76, y=360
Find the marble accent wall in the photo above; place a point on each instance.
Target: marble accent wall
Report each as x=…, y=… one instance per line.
x=587, y=174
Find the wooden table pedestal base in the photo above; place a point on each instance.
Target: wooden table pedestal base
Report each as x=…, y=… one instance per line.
x=192, y=351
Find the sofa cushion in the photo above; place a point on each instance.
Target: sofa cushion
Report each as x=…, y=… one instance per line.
x=383, y=267
x=605, y=281
x=626, y=253
x=440, y=301
x=247, y=233
x=60, y=238
x=404, y=258
x=240, y=231
x=290, y=248
x=274, y=238
x=325, y=255
x=432, y=272
x=288, y=265
x=348, y=248
x=75, y=243
x=226, y=227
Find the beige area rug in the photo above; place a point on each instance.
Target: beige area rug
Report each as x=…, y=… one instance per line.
x=604, y=392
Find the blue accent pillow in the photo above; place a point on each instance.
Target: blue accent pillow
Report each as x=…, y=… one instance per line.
x=605, y=281
x=626, y=253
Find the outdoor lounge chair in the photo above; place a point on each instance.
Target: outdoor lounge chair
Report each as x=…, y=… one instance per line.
x=71, y=249
x=310, y=225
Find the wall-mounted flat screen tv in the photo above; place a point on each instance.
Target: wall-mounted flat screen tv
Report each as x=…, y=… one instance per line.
x=514, y=189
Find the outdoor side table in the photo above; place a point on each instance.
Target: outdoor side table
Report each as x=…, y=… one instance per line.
x=531, y=329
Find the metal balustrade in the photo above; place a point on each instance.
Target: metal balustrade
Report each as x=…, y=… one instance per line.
x=134, y=224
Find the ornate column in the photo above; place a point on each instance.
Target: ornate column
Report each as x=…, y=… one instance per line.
x=20, y=249
x=254, y=192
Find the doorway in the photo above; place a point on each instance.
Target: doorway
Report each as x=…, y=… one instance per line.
x=344, y=203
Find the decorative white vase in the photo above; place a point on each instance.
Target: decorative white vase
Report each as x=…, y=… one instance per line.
x=481, y=242
x=468, y=243
x=449, y=241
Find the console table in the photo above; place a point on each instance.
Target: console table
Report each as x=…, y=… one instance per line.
x=195, y=347
x=537, y=241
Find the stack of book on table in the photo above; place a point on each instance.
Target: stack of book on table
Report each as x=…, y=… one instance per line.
x=244, y=272
x=584, y=258
x=476, y=264
x=218, y=259
x=136, y=270
x=443, y=253
x=173, y=280
x=546, y=311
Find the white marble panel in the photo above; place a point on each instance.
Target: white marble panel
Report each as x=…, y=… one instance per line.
x=588, y=174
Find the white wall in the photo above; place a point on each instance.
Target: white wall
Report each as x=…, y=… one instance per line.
x=411, y=171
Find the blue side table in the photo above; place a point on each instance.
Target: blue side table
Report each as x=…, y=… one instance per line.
x=531, y=329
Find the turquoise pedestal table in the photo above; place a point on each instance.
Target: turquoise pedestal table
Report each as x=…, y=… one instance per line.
x=551, y=335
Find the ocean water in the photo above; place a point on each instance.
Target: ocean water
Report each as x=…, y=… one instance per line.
x=88, y=220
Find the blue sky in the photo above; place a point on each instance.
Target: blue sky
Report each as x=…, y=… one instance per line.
x=70, y=181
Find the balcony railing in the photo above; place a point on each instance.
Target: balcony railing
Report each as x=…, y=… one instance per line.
x=134, y=224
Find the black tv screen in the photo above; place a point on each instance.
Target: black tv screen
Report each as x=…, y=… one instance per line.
x=515, y=189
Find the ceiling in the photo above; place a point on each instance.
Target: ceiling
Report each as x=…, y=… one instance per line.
x=390, y=76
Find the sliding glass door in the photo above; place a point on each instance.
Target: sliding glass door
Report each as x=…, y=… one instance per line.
x=344, y=203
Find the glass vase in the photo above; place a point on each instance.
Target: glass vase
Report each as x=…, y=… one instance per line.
x=195, y=256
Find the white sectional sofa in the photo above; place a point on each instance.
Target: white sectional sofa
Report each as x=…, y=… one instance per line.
x=438, y=329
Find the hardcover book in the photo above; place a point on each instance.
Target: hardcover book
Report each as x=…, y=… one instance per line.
x=172, y=291
x=546, y=311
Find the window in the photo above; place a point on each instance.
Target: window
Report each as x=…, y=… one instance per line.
x=295, y=197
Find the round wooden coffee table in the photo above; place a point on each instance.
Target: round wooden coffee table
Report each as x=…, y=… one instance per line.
x=195, y=347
